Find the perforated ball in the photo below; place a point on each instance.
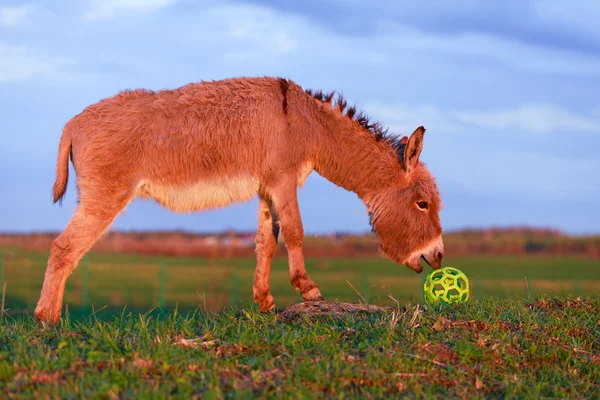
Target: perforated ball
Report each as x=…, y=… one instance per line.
x=446, y=285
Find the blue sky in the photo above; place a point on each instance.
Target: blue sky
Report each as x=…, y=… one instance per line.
x=508, y=92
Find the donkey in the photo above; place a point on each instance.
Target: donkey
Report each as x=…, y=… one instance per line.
x=210, y=144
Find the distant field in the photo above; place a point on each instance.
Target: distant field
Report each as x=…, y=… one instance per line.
x=139, y=282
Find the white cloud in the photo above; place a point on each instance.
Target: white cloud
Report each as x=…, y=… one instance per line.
x=404, y=119
x=267, y=30
x=21, y=62
x=527, y=118
x=101, y=9
x=13, y=17
x=254, y=32
x=537, y=118
x=300, y=35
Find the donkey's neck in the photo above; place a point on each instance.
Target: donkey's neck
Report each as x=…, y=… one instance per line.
x=351, y=158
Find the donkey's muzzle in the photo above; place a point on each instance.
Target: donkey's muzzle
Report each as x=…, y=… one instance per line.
x=435, y=256
x=432, y=255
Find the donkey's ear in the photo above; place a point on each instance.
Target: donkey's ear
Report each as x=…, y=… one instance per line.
x=413, y=148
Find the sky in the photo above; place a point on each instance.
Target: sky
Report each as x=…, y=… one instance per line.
x=508, y=91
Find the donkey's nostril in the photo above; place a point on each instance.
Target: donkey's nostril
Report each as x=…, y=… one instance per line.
x=439, y=255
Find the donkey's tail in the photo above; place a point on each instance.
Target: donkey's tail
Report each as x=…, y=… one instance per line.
x=62, y=166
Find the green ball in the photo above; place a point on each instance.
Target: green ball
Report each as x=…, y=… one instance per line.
x=446, y=285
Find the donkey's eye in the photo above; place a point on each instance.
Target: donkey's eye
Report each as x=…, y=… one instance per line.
x=423, y=205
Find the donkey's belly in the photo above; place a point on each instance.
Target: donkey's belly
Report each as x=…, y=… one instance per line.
x=203, y=195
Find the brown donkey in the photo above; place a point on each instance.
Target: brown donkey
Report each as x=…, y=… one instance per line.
x=207, y=145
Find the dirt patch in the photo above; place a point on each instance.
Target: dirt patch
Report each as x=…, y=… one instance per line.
x=557, y=303
x=328, y=309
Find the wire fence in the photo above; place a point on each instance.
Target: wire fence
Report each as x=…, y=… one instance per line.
x=215, y=284
x=208, y=284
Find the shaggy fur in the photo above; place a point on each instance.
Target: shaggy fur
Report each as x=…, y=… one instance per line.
x=210, y=144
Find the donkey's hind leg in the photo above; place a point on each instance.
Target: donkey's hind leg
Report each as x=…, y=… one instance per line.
x=266, y=244
x=84, y=229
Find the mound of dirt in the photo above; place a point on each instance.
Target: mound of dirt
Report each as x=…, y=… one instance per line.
x=328, y=309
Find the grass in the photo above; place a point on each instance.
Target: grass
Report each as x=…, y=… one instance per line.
x=491, y=348
x=507, y=342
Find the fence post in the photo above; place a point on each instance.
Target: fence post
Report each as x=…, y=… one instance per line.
x=234, y=287
x=2, y=285
x=84, y=287
x=162, y=301
x=1, y=271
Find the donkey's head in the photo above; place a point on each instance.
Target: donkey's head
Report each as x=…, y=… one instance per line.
x=404, y=214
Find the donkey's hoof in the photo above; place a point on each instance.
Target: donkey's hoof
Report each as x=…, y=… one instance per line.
x=43, y=316
x=313, y=294
x=267, y=304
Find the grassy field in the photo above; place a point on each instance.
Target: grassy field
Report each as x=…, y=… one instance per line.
x=502, y=348
x=110, y=282
x=155, y=335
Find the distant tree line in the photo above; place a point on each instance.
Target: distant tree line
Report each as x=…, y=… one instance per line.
x=496, y=241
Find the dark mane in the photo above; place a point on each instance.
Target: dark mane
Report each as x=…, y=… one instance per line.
x=377, y=129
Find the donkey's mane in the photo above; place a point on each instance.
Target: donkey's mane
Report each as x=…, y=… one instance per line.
x=379, y=132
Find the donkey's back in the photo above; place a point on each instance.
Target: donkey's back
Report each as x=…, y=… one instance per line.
x=201, y=146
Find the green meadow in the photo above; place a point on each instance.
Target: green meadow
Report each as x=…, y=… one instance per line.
x=158, y=327
x=491, y=348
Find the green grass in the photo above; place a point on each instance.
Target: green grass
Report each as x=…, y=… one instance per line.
x=115, y=281
x=493, y=348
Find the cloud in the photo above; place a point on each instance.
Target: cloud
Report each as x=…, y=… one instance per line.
x=549, y=24
x=403, y=119
x=537, y=118
x=19, y=63
x=400, y=45
x=101, y=9
x=470, y=48
x=13, y=17
x=252, y=33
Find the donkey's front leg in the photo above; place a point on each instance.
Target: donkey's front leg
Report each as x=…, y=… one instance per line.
x=286, y=205
x=266, y=244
